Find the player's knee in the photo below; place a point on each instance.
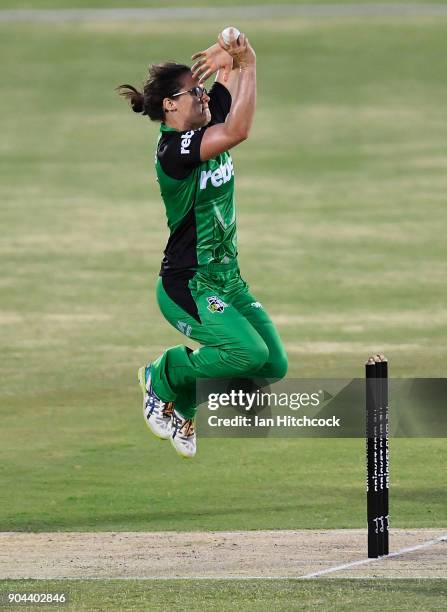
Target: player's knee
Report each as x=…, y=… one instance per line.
x=256, y=356
x=245, y=359
x=278, y=368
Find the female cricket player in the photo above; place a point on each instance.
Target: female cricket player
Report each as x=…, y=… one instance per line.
x=200, y=290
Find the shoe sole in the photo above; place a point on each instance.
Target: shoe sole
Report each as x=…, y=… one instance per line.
x=178, y=452
x=181, y=454
x=142, y=381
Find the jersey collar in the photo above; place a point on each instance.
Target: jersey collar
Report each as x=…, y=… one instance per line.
x=167, y=128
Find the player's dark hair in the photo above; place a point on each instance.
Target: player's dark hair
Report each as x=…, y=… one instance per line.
x=163, y=81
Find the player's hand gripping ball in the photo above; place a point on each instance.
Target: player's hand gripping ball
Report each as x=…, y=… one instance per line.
x=230, y=35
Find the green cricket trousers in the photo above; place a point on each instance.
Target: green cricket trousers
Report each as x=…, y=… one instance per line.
x=214, y=307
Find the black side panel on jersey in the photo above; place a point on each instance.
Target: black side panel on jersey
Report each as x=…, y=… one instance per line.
x=180, y=252
x=179, y=152
x=176, y=286
x=219, y=104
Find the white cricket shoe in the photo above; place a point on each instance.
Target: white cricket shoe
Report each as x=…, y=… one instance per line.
x=183, y=435
x=157, y=414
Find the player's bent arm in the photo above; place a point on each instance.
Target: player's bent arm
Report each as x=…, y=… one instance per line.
x=231, y=81
x=223, y=136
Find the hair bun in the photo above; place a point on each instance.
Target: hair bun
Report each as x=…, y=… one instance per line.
x=137, y=103
x=134, y=96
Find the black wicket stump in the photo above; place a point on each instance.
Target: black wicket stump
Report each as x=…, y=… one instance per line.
x=377, y=455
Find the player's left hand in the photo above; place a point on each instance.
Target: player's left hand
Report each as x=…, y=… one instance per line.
x=210, y=61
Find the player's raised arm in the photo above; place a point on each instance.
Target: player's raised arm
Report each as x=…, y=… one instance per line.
x=223, y=136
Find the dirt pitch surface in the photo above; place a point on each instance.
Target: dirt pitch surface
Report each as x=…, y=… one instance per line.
x=416, y=553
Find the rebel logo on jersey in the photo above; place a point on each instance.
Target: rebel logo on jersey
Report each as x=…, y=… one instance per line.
x=186, y=141
x=219, y=176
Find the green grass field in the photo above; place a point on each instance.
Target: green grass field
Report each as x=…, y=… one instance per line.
x=244, y=595
x=341, y=195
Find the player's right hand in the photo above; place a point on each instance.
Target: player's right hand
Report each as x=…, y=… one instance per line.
x=240, y=50
x=210, y=61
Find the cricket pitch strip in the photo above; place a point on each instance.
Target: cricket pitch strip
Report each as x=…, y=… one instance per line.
x=331, y=553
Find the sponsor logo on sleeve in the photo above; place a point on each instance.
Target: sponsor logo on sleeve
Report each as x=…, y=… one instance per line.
x=185, y=141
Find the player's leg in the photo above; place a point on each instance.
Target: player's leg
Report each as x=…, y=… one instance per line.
x=277, y=363
x=231, y=346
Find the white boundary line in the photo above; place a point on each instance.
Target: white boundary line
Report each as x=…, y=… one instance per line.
x=398, y=553
x=216, y=578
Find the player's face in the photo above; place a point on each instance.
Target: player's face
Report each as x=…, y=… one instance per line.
x=192, y=108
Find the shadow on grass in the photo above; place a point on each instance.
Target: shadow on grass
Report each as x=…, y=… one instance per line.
x=142, y=521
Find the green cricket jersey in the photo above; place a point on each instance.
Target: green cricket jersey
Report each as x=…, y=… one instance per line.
x=198, y=196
